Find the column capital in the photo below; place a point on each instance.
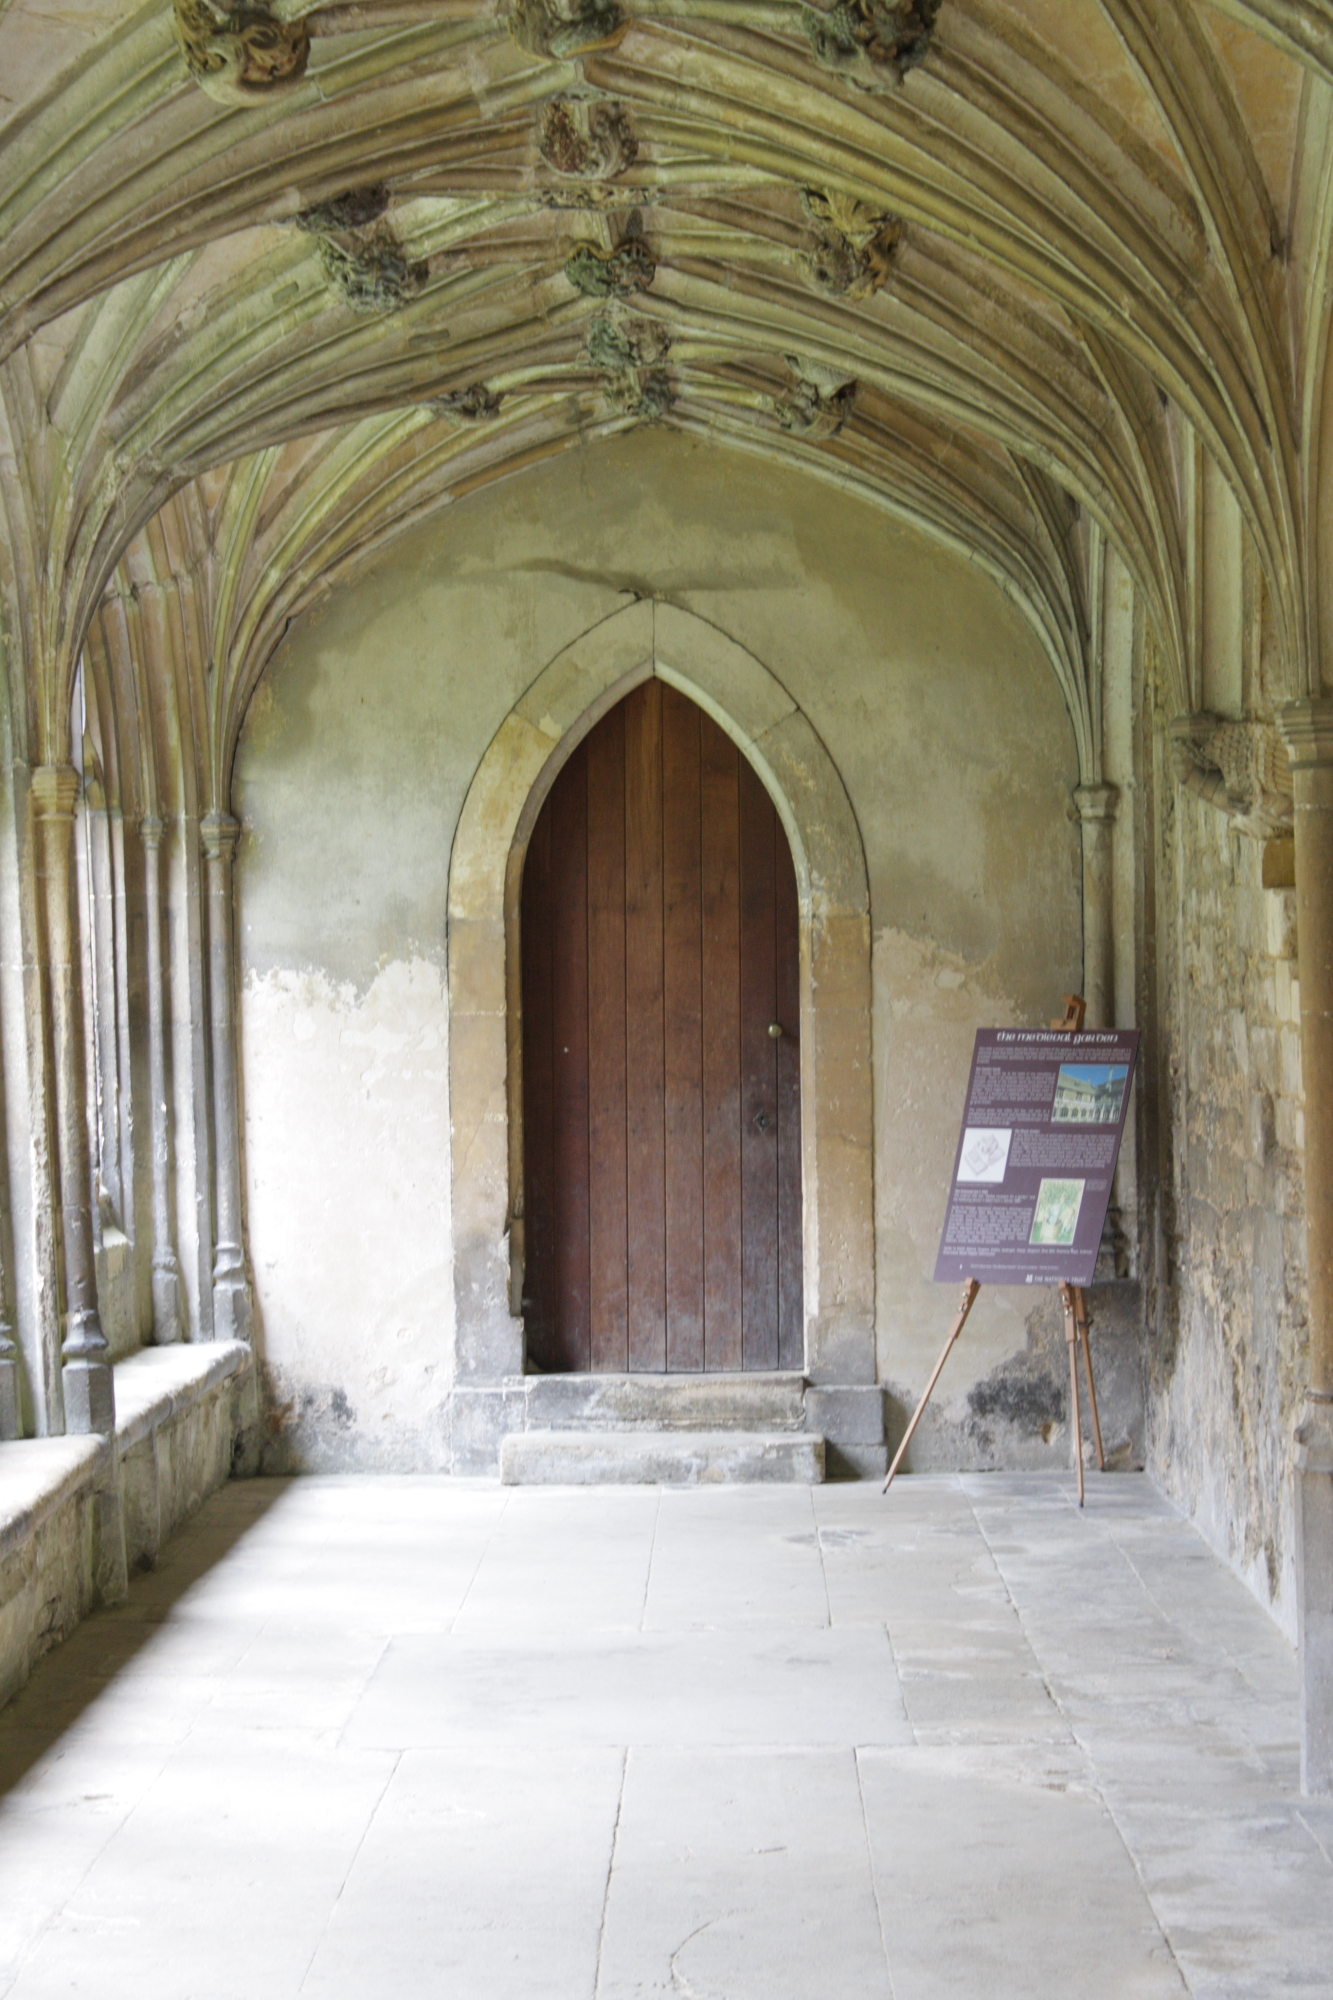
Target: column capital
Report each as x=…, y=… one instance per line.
x=1307, y=733
x=55, y=790
x=1097, y=801
x=219, y=833
x=151, y=830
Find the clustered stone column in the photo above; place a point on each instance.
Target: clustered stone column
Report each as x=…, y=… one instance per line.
x=231, y=1285
x=166, y=1269
x=89, y=1391
x=1096, y=812
x=11, y=1413
x=1307, y=729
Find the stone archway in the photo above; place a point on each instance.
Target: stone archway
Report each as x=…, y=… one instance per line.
x=567, y=698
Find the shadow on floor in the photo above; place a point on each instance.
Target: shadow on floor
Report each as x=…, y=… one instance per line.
x=68, y=1679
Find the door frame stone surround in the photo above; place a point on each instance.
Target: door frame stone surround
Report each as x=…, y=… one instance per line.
x=508, y=789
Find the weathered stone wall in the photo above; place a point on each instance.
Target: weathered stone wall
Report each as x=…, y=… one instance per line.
x=1225, y=1359
x=942, y=717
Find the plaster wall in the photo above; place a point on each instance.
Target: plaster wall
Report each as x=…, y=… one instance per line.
x=932, y=697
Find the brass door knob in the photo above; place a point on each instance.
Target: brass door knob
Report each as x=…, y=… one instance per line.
x=775, y=1030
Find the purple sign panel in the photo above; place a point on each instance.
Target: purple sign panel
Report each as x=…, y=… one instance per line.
x=1041, y=1135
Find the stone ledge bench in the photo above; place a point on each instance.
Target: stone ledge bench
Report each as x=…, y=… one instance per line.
x=77, y=1513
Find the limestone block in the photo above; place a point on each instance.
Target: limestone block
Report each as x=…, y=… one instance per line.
x=664, y=1402
x=46, y=1546
x=840, y=1341
x=478, y=1419
x=595, y=663
x=1240, y=1040
x=1278, y=985
x=1280, y=923
x=140, y=1504
x=490, y=814
x=1264, y=1058
x=807, y=777
x=846, y=1415
x=840, y=968
x=1291, y=1062
x=1289, y=1124
x=1314, y=1572
x=701, y=660
x=654, y=1458
x=90, y=1398
x=477, y=964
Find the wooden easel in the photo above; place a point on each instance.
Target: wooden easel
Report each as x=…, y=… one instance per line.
x=1077, y=1325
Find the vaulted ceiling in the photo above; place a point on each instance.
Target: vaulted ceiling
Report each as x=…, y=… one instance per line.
x=274, y=284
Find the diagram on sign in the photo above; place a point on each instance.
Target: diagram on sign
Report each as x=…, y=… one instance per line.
x=984, y=1154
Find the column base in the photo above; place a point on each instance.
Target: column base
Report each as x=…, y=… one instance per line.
x=90, y=1398
x=167, y=1327
x=233, y=1313
x=1314, y=1594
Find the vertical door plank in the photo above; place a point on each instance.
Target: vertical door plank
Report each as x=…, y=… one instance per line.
x=791, y=1313
x=682, y=952
x=644, y=1029
x=759, y=1097
x=720, y=764
x=538, y=1102
x=567, y=814
x=608, y=1269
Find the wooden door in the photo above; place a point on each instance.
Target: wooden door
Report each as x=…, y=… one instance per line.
x=661, y=1112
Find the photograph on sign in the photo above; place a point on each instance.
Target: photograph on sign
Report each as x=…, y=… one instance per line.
x=1089, y=1093
x=1041, y=1129
x=1055, y=1219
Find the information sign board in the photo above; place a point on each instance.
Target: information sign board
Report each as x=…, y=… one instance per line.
x=1032, y=1177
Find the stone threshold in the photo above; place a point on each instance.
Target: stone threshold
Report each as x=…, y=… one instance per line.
x=78, y=1513
x=666, y=1457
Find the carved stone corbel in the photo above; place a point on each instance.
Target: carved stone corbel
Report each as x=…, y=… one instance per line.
x=586, y=139
x=871, y=42
x=468, y=406
x=1241, y=768
x=611, y=274
x=853, y=248
x=548, y=28
x=818, y=403
x=374, y=274
x=630, y=354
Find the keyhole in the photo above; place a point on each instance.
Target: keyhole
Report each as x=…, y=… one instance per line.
x=761, y=1119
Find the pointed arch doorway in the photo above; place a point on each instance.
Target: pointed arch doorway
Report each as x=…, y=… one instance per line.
x=661, y=1056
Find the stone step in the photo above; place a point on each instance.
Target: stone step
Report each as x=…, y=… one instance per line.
x=661, y=1458
x=770, y=1402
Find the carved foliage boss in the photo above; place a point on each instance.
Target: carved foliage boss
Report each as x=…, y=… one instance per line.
x=240, y=54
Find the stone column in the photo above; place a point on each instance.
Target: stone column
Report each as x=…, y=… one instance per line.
x=11, y=1407
x=231, y=1284
x=1096, y=814
x=166, y=1270
x=1307, y=729
x=89, y=1390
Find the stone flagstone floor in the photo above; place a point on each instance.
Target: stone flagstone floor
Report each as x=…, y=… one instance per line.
x=414, y=1737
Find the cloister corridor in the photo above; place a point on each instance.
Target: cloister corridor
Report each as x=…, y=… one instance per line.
x=422, y=1736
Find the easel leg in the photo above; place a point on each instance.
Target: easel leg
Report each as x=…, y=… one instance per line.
x=970, y=1291
x=1075, y=1409
x=1084, y=1324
